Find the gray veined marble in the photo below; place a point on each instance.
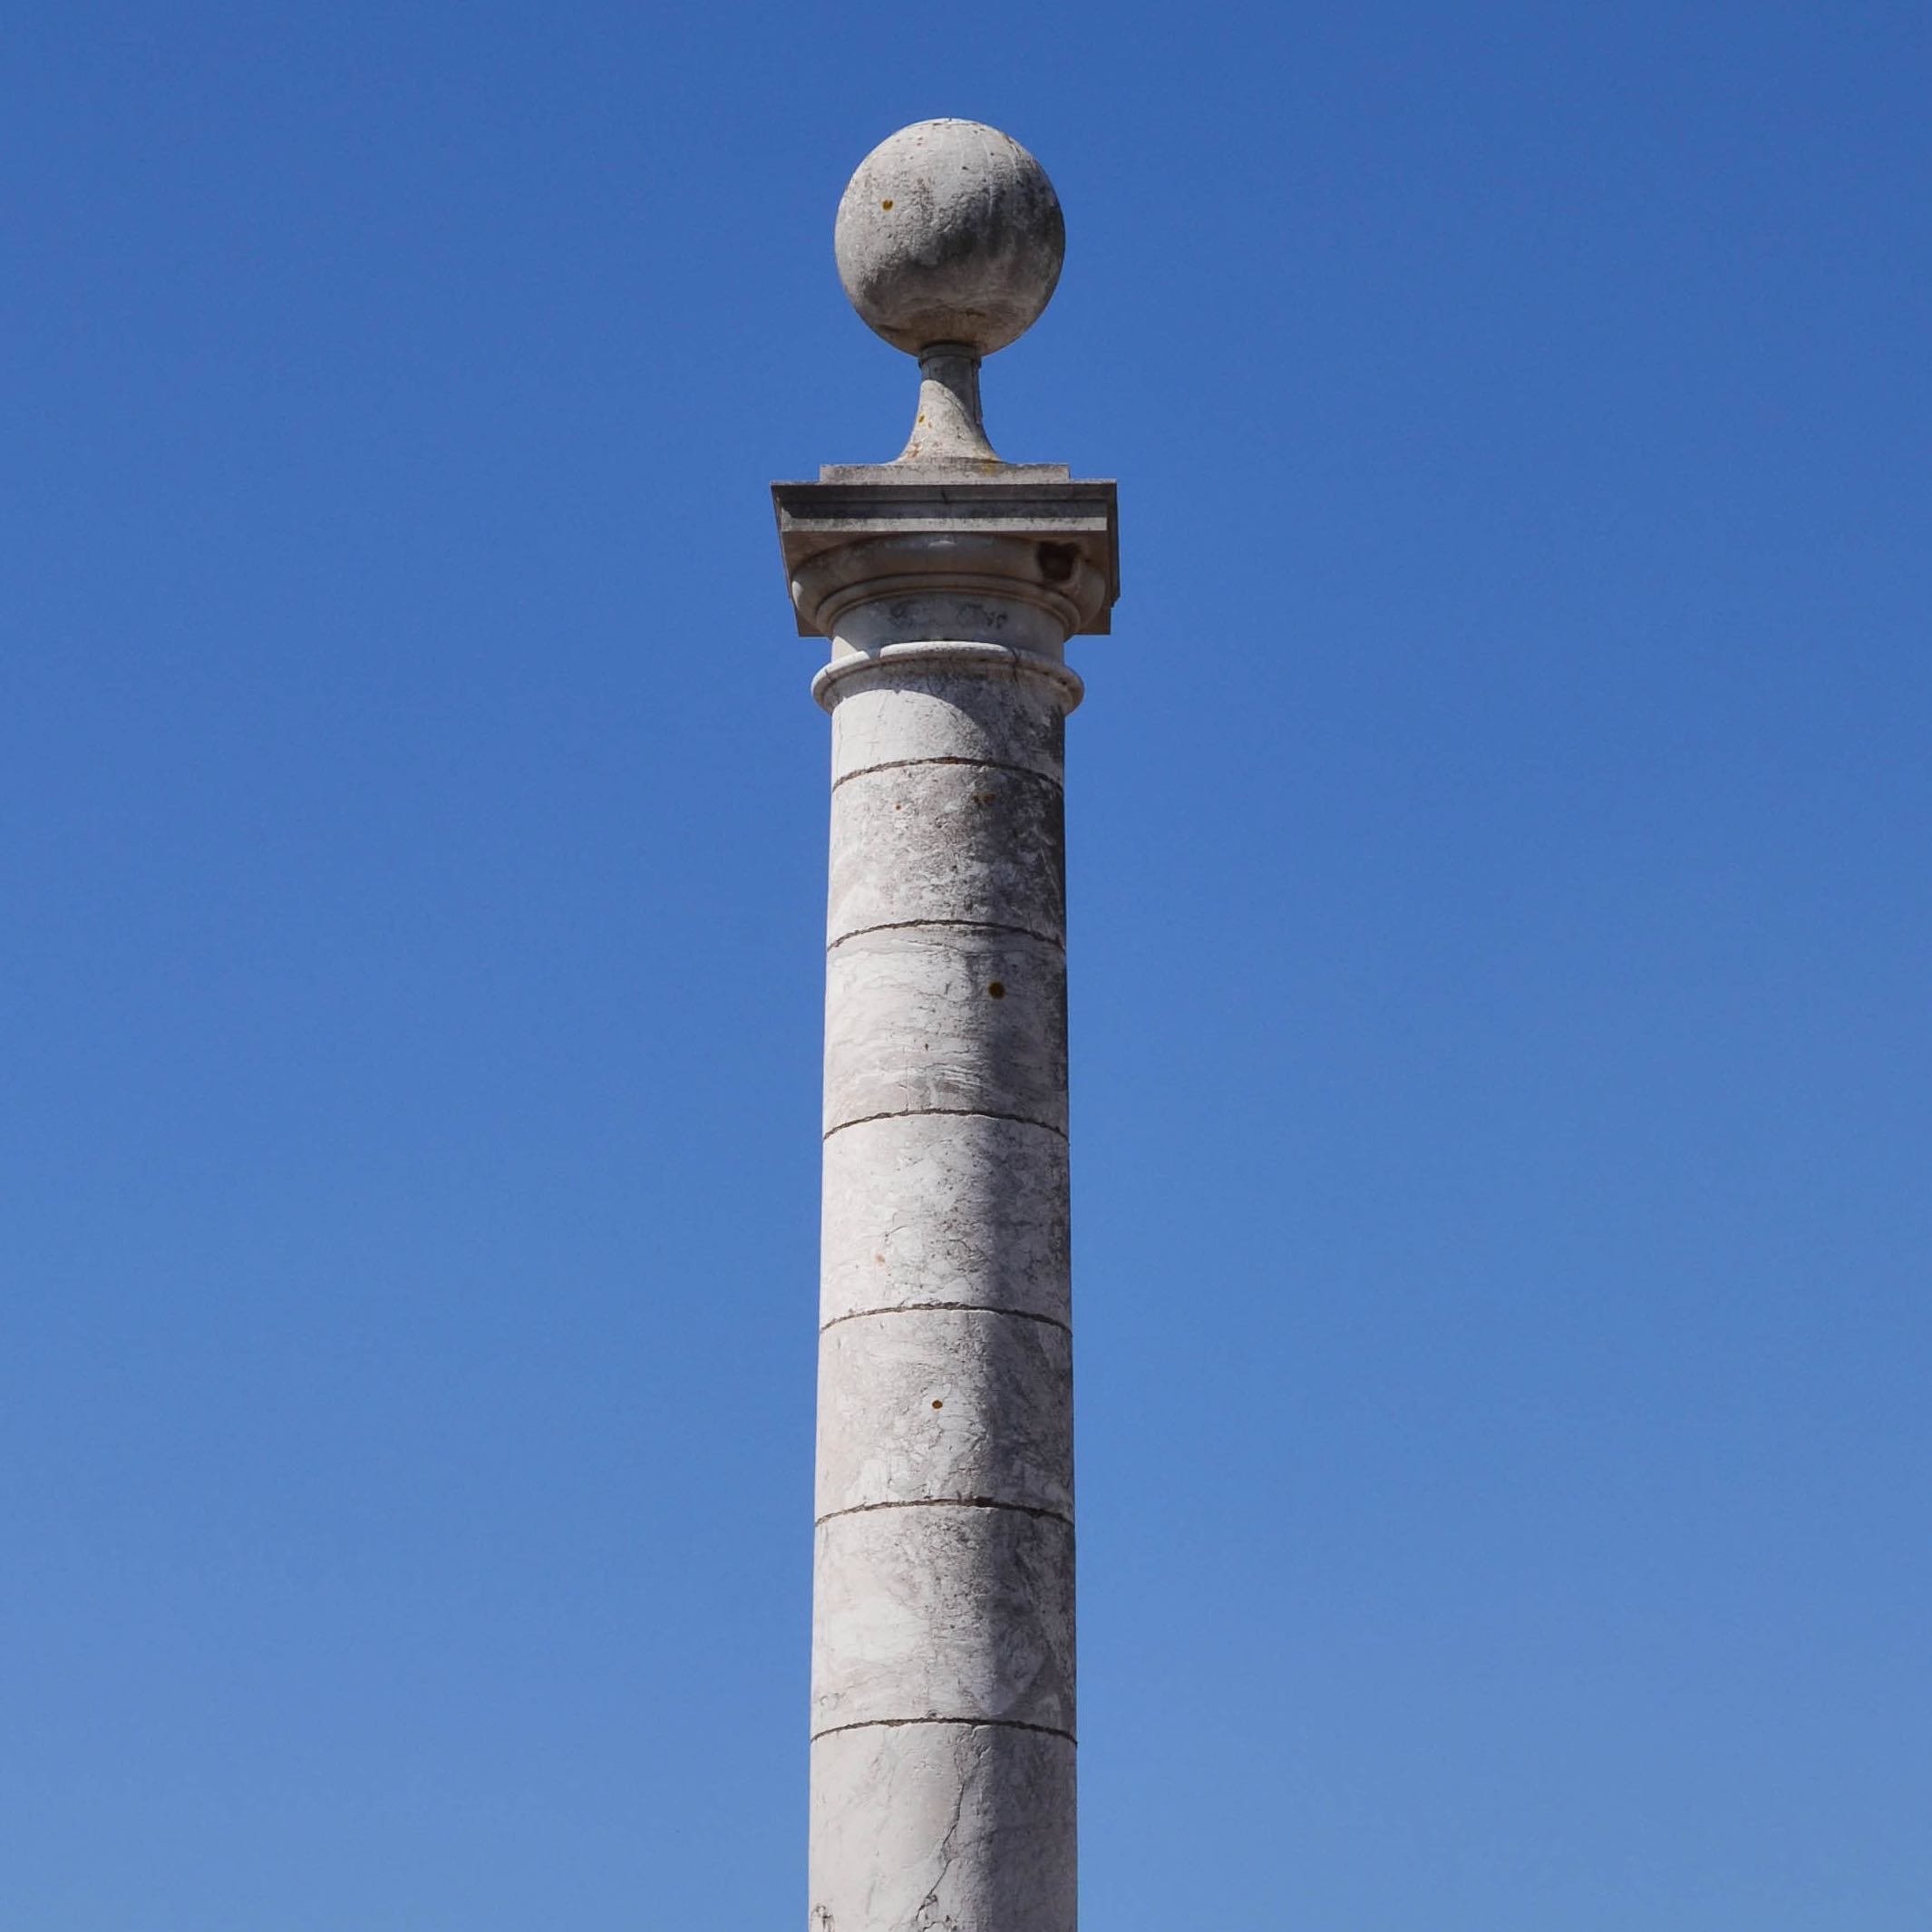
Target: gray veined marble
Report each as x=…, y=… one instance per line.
x=990, y=1226
x=948, y=583
x=916, y=1403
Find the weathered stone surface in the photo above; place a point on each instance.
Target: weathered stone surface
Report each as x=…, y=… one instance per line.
x=890, y=715
x=949, y=232
x=954, y=843
x=943, y=1581
x=943, y=1827
x=927, y=1610
x=924, y=1209
x=886, y=559
x=936, y=1403
x=953, y=1020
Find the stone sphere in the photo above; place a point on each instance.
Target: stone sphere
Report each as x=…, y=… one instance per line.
x=949, y=232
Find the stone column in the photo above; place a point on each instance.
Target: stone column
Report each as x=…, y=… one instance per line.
x=948, y=582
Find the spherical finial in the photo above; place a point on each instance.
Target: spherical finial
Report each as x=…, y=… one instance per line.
x=950, y=232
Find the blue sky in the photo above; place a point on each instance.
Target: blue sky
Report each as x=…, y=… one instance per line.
x=1499, y=825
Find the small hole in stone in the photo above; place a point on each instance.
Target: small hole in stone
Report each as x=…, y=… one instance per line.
x=997, y=990
x=885, y=204
x=1058, y=561
x=939, y=1405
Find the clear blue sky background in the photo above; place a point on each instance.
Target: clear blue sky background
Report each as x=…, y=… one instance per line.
x=1503, y=1077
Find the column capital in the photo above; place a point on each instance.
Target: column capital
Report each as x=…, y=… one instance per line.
x=876, y=554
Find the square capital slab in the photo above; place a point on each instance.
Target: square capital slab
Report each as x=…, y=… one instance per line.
x=1030, y=519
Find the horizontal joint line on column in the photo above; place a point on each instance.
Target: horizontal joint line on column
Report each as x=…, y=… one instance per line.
x=964, y=1113
x=993, y=1724
x=948, y=1502
x=947, y=1308
x=978, y=925
x=985, y=764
